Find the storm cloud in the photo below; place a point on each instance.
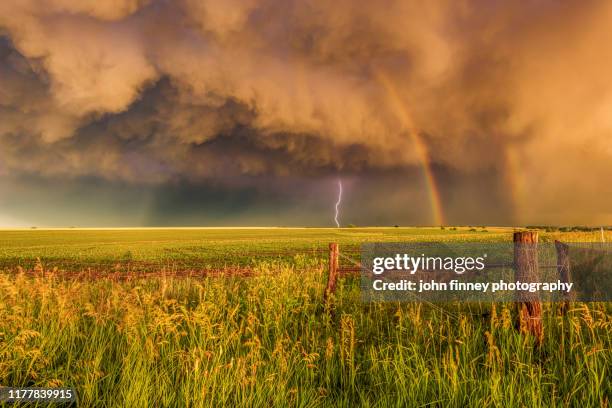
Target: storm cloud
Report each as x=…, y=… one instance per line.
x=508, y=105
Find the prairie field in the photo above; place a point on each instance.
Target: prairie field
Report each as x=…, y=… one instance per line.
x=265, y=338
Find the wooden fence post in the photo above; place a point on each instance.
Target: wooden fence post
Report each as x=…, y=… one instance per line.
x=332, y=278
x=563, y=267
x=526, y=270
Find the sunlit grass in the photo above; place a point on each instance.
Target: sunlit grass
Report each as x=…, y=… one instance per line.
x=267, y=340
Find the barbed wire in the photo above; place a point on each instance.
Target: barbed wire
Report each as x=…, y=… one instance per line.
x=415, y=296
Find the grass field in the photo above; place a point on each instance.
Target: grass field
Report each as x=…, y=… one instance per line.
x=267, y=340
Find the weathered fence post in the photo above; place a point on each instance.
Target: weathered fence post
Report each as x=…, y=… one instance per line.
x=332, y=278
x=526, y=270
x=563, y=267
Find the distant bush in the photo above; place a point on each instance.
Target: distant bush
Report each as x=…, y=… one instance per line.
x=578, y=228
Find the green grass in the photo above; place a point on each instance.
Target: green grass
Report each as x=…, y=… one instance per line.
x=74, y=248
x=267, y=340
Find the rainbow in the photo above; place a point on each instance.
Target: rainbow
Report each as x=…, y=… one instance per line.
x=401, y=110
x=515, y=181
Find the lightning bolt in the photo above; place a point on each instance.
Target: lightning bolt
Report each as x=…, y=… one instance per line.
x=338, y=202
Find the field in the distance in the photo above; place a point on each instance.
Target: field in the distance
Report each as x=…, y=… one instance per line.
x=201, y=247
x=267, y=339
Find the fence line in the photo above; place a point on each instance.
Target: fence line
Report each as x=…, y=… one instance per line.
x=525, y=264
x=526, y=267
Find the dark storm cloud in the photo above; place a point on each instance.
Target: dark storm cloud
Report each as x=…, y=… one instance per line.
x=511, y=101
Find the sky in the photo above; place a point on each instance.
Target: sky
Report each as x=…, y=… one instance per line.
x=227, y=113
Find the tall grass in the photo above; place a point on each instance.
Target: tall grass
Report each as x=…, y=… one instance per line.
x=268, y=341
